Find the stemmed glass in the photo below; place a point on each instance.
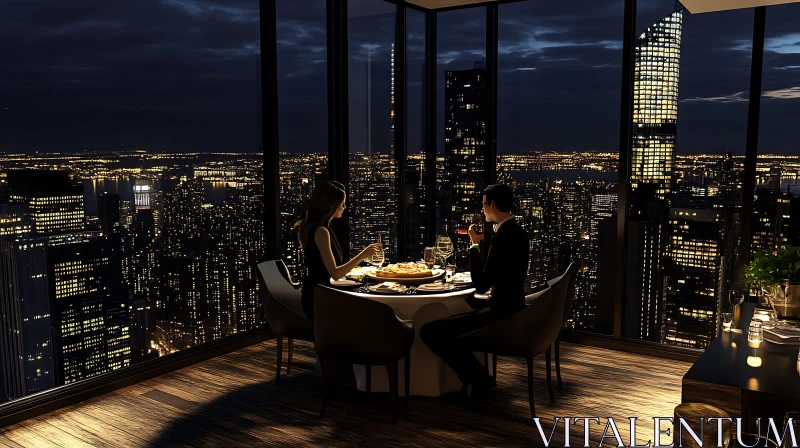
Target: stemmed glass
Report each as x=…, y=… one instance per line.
x=477, y=221
x=429, y=257
x=376, y=259
x=736, y=297
x=444, y=246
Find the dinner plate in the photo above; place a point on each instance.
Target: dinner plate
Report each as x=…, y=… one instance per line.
x=399, y=289
x=436, y=287
x=345, y=282
x=437, y=273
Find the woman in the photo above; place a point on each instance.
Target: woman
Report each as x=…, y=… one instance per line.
x=323, y=255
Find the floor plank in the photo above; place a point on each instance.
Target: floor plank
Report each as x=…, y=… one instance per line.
x=232, y=400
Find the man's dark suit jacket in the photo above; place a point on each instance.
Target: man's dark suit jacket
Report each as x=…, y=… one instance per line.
x=503, y=269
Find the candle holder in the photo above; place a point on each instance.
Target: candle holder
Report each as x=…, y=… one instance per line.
x=755, y=335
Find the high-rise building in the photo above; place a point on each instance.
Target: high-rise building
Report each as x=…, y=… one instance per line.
x=655, y=104
x=772, y=220
x=26, y=357
x=464, y=148
x=603, y=207
x=692, y=271
x=55, y=203
x=90, y=313
x=373, y=202
x=646, y=244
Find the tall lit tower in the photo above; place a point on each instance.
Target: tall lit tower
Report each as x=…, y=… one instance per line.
x=464, y=148
x=655, y=104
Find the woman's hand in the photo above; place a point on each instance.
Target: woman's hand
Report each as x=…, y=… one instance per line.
x=371, y=250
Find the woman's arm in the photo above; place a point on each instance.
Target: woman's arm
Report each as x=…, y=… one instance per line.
x=323, y=240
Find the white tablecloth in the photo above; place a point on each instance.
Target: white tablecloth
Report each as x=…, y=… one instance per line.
x=430, y=376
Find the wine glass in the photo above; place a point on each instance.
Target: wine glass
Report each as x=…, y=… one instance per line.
x=736, y=297
x=376, y=259
x=444, y=245
x=477, y=221
x=727, y=318
x=429, y=257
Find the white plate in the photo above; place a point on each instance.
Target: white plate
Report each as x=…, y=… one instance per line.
x=436, y=287
x=344, y=282
x=398, y=289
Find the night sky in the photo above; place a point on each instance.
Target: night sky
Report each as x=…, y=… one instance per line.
x=183, y=75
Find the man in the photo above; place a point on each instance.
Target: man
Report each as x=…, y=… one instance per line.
x=503, y=269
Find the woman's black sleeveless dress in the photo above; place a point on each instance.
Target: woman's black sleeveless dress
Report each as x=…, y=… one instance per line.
x=316, y=272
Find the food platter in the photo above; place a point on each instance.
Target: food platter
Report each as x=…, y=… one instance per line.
x=437, y=274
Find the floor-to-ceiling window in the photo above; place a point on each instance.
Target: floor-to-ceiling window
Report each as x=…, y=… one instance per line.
x=461, y=124
x=416, y=186
x=302, y=116
x=131, y=221
x=373, y=190
x=690, y=93
x=559, y=68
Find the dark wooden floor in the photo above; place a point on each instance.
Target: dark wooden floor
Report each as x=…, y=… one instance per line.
x=233, y=401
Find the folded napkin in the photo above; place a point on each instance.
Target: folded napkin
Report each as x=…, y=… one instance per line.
x=389, y=285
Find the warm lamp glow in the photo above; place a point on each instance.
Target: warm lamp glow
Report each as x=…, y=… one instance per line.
x=754, y=361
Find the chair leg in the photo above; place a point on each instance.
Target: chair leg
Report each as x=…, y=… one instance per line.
x=530, y=387
x=407, y=374
x=494, y=366
x=558, y=361
x=289, y=361
x=393, y=387
x=548, y=355
x=486, y=361
x=368, y=370
x=279, y=339
x=325, y=366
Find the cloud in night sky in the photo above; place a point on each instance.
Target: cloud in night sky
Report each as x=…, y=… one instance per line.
x=183, y=75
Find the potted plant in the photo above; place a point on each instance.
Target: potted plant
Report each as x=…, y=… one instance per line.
x=775, y=275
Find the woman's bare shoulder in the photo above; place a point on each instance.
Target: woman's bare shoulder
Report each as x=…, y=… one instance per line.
x=322, y=232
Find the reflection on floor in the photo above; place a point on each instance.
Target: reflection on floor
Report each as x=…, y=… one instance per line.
x=232, y=400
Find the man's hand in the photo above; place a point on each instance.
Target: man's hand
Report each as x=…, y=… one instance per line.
x=474, y=236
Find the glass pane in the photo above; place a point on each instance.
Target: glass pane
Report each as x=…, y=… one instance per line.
x=557, y=138
x=776, y=209
x=690, y=121
x=416, y=189
x=303, y=116
x=462, y=135
x=135, y=229
x=372, y=194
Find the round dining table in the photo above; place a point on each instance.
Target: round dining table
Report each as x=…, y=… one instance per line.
x=430, y=376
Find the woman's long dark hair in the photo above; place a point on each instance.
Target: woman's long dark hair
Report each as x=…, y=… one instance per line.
x=325, y=199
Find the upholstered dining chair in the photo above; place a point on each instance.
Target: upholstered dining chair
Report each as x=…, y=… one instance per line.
x=284, y=311
x=355, y=330
x=526, y=333
x=572, y=274
x=528, y=300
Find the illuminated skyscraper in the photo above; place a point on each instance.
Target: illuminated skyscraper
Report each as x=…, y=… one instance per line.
x=772, y=220
x=464, y=147
x=655, y=104
x=373, y=202
x=141, y=194
x=26, y=357
x=692, y=272
x=56, y=204
x=90, y=313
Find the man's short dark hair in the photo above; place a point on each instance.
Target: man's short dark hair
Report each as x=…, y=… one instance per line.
x=502, y=196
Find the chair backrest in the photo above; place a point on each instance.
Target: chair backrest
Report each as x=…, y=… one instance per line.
x=571, y=274
x=280, y=292
x=527, y=332
x=352, y=328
